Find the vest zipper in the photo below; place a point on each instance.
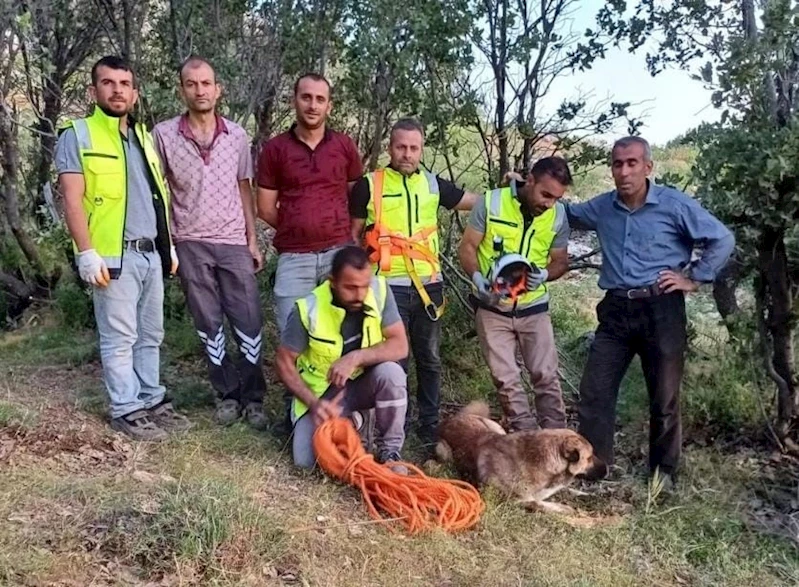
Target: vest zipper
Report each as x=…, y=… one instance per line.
x=505, y=222
x=527, y=226
x=408, y=198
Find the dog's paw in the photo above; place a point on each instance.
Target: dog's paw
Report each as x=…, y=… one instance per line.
x=443, y=452
x=547, y=507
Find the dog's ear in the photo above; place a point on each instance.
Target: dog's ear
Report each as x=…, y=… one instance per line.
x=570, y=449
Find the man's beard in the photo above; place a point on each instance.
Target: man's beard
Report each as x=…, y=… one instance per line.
x=111, y=113
x=351, y=307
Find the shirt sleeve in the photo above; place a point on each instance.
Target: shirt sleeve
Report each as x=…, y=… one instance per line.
x=700, y=226
x=354, y=165
x=583, y=216
x=563, y=231
x=391, y=313
x=477, y=219
x=449, y=195
x=245, y=160
x=269, y=166
x=359, y=198
x=294, y=336
x=67, y=153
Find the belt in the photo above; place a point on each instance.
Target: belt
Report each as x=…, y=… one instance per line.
x=637, y=293
x=141, y=245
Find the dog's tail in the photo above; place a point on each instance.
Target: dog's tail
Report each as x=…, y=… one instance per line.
x=477, y=408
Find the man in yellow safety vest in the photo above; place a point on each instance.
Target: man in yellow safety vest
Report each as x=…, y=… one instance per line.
x=523, y=223
x=117, y=211
x=398, y=206
x=338, y=354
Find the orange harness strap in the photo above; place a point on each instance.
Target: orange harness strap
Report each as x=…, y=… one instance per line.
x=385, y=245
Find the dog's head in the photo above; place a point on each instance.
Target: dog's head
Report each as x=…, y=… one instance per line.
x=578, y=453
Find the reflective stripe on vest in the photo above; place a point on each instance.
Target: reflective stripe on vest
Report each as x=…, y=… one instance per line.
x=103, y=161
x=322, y=321
x=409, y=206
x=504, y=219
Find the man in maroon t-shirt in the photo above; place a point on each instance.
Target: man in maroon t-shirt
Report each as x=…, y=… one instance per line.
x=304, y=179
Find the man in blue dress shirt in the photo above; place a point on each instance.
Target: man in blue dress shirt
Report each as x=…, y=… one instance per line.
x=647, y=233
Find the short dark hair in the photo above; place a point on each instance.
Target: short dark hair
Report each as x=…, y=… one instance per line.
x=633, y=140
x=554, y=167
x=317, y=78
x=194, y=61
x=408, y=124
x=112, y=62
x=350, y=256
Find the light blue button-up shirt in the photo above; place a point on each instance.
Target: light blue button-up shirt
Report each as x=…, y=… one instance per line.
x=638, y=244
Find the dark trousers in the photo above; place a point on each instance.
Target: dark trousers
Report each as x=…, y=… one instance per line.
x=655, y=329
x=219, y=280
x=425, y=340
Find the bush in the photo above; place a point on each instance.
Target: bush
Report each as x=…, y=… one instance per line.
x=74, y=304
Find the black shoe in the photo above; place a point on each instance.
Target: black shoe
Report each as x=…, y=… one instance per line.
x=282, y=428
x=139, y=426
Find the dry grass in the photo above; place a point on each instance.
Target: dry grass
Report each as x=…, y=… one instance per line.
x=84, y=506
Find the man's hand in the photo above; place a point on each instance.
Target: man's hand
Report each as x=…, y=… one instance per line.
x=92, y=269
x=341, y=371
x=257, y=255
x=173, y=255
x=483, y=289
x=536, y=278
x=670, y=281
x=509, y=176
x=324, y=410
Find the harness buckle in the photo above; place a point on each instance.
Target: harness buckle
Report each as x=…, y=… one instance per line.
x=432, y=311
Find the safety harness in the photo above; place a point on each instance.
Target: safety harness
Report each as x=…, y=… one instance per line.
x=384, y=244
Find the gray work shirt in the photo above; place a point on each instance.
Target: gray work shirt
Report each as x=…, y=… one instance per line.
x=140, y=211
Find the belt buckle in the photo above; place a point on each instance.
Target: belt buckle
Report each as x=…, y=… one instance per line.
x=631, y=293
x=136, y=245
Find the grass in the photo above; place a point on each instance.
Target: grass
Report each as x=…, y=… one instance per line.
x=223, y=506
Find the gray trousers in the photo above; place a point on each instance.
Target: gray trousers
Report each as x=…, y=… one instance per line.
x=130, y=322
x=219, y=280
x=382, y=387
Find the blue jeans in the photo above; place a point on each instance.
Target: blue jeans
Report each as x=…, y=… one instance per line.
x=130, y=322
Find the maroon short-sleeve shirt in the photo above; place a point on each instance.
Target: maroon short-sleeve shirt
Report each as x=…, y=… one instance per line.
x=313, y=211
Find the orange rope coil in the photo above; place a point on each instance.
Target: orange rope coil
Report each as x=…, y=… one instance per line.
x=419, y=502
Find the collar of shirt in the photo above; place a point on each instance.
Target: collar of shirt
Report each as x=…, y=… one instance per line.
x=652, y=196
x=293, y=134
x=514, y=189
x=184, y=129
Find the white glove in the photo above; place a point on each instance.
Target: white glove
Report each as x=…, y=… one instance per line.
x=92, y=269
x=173, y=255
x=483, y=289
x=534, y=280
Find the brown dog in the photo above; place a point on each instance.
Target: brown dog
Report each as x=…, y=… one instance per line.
x=530, y=466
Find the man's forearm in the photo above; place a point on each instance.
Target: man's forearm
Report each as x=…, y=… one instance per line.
x=394, y=349
x=556, y=269
x=286, y=368
x=356, y=226
x=77, y=224
x=248, y=205
x=468, y=258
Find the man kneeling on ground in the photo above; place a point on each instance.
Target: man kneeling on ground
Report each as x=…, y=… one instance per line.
x=339, y=353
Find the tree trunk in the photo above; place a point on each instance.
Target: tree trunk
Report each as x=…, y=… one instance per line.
x=724, y=289
x=773, y=270
x=47, y=140
x=9, y=160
